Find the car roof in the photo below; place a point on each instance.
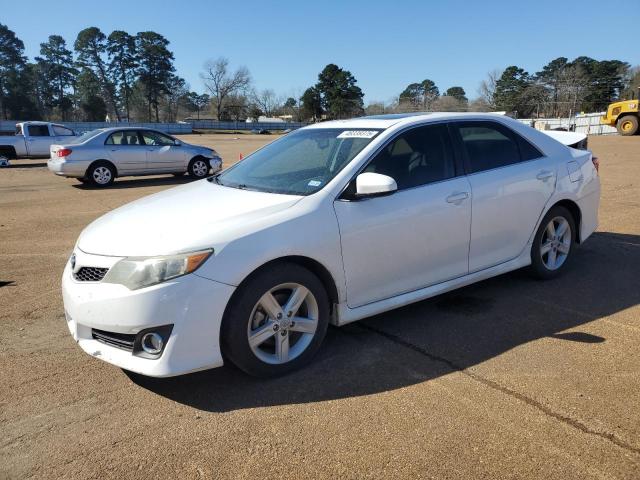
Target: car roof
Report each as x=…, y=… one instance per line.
x=388, y=120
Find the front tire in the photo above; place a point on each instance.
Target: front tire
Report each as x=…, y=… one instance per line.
x=198, y=168
x=101, y=174
x=553, y=244
x=627, y=125
x=276, y=321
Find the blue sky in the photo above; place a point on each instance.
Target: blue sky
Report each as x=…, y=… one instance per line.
x=385, y=44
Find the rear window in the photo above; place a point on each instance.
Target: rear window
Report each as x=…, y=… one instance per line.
x=489, y=145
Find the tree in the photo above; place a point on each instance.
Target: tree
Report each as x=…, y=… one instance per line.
x=198, y=102
x=58, y=71
x=88, y=91
x=91, y=48
x=449, y=103
x=155, y=68
x=311, y=104
x=123, y=62
x=632, y=84
x=487, y=89
x=340, y=97
x=175, y=96
x=12, y=64
x=551, y=78
x=458, y=93
x=266, y=101
x=419, y=95
x=509, y=90
x=222, y=83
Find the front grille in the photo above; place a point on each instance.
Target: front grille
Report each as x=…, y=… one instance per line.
x=124, y=341
x=90, y=274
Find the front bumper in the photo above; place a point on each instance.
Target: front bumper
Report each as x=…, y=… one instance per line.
x=194, y=305
x=216, y=164
x=66, y=168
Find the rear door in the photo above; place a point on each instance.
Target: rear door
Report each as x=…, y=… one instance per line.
x=163, y=155
x=126, y=150
x=38, y=140
x=511, y=182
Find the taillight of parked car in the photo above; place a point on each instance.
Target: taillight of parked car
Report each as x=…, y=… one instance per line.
x=64, y=152
x=596, y=163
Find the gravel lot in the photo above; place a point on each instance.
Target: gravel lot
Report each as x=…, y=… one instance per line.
x=508, y=378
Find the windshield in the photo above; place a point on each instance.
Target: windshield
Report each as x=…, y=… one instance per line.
x=300, y=163
x=85, y=136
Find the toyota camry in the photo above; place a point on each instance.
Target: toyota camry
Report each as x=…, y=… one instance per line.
x=331, y=223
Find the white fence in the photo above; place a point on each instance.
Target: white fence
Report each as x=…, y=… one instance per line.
x=588, y=123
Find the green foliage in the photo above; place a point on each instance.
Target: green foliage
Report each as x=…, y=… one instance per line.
x=509, y=91
x=336, y=95
x=58, y=74
x=420, y=95
x=458, y=93
x=311, y=103
x=123, y=62
x=91, y=50
x=155, y=68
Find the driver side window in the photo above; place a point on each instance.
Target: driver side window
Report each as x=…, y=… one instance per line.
x=417, y=157
x=156, y=139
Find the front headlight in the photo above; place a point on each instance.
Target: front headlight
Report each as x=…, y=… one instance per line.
x=139, y=272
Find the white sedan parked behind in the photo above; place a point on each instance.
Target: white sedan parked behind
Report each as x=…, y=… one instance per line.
x=329, y=224
x=102, y=155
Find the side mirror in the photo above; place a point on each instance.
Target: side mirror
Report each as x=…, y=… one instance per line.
x=177, y=143
x=371, y=184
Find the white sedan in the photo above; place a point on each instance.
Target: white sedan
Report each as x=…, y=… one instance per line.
x=99, y=156
x=329, y=224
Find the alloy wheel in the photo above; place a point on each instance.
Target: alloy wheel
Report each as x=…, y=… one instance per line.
x=555, y=243
x=283, y=323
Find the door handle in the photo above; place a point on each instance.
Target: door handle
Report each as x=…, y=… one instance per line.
x=544, y=175
x=457, y=197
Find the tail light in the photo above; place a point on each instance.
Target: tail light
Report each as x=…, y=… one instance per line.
x=64, y=152
x=596, y=163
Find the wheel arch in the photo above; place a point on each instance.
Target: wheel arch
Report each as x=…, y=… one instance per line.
x=315, y=267
x=9, y=151
x=101, y=160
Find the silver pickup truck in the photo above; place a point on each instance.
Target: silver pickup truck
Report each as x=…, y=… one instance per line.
x=34, y=139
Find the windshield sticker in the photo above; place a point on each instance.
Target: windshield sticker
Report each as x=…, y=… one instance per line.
x=314, y=183
x=358, y=134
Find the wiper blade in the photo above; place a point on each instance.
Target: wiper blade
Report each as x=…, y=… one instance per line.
x=216, y=179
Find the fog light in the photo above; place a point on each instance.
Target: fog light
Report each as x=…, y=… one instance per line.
x=152, y=343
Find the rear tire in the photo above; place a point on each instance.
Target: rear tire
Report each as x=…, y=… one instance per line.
x=199, y=167
x=101, y=174
x=627, y=125
x=265, y=338
x=553, y=244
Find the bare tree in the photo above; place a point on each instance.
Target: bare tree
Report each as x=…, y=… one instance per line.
x=222, y=83
x=487, y=88
x=266, y=100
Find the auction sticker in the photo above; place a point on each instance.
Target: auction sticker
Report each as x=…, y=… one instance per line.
x=358, y=134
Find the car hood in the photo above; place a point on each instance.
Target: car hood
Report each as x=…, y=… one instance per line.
x=186, y=218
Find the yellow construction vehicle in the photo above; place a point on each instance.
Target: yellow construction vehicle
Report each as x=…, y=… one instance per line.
x=624, y=116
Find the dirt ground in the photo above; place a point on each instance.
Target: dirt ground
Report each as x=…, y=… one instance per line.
x=508, y=378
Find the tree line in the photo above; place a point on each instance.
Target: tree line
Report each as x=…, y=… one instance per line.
x=132, y=77
x=561, y=88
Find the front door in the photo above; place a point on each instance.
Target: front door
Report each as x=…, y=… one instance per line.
x=163, y=154
x=415, y=237
x=511, y=182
